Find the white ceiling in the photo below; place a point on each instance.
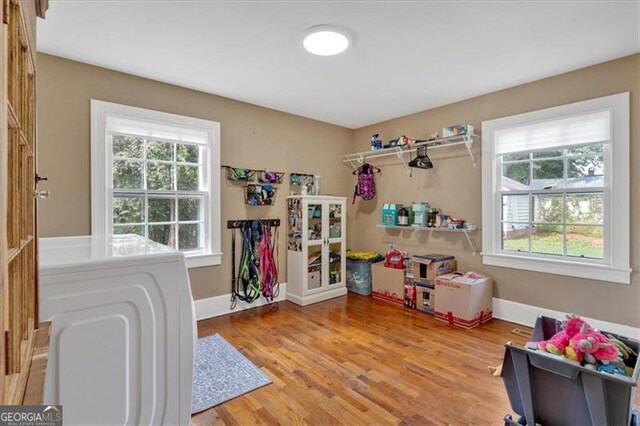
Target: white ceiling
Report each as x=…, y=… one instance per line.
x=407, y=56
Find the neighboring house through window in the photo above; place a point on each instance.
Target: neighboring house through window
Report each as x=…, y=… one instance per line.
x=156, y=175
x=556, y=190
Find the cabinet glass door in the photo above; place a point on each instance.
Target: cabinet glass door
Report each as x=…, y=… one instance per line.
x=314, y=267
x=335, y=220
x=314, y=222
x=336, y=269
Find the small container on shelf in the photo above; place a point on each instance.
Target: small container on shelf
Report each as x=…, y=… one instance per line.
x=260, y=195
x=265, y=176
x=239, y=174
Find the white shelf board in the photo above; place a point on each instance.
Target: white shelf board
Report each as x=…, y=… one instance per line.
x=360, y=157
x=466, y=232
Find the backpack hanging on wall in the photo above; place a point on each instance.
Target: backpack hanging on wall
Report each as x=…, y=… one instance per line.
x=365, y=187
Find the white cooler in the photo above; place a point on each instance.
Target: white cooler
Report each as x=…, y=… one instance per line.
x=123, y=330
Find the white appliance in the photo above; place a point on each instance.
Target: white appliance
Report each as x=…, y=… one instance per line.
x=123, y=330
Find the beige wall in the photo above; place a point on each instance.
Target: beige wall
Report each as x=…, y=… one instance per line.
x=455, y=186
x=251, y=137
x=257, y=137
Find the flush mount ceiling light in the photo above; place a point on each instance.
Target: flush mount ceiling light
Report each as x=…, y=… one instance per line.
x=326, y=40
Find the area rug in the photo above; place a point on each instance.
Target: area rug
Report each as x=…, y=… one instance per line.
x=221, y=373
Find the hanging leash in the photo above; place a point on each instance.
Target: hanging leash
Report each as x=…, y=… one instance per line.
x=268, y=265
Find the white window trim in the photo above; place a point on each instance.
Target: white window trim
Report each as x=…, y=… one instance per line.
x=616, y=265
x=100, y=217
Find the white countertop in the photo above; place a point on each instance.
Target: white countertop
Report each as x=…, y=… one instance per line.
x=73, y=252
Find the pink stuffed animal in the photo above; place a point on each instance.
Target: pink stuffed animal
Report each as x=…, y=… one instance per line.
x=591, y=346
x=558, y=344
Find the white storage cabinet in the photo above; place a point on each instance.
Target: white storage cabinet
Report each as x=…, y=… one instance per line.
x=316, y=240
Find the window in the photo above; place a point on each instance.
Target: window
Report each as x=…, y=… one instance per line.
x=157, y=175
x=556, y=190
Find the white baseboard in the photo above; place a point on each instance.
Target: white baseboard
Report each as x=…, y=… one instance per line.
x=221, y=305
x=520, y=313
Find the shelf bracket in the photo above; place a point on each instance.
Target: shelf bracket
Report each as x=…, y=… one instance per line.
x=473, y=247
x=400, y=154
x=468, y=143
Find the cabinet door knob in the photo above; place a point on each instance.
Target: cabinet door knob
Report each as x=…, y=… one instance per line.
x=43, y=193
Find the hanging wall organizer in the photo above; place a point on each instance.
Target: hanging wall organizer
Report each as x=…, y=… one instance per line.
x=257, y=271
x=263, y=192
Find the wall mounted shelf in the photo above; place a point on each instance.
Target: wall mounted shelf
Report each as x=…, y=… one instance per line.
x=359, y=157
x=466, y=232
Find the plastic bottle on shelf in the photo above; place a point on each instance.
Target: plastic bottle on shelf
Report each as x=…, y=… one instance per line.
x=403, y=216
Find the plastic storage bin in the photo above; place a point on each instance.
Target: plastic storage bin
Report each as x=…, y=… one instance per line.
x=548, y=390
x=359, y=276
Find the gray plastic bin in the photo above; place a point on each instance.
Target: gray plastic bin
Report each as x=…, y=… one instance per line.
x=548, y=390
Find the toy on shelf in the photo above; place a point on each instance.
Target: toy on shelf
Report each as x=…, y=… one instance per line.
x=376, y=142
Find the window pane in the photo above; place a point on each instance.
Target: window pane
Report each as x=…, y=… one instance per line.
x=128, y=229
x=159, y=150
x=127, y=174
x=161, y=209
x=515, y=208
x=585, y=172
x=587, y=150
x=515, y=237
x=515, y=157
x=548, y=154
x=188, y=178
x=585, y=241
x=515, y=176
x=189, y=236
x=188, y=209
x=188, y=153
x=548, y=208
x=128, y=208
x=127, y=146
x=160, y=176
x=163, y=234
x=585, y=208
x=547, y=239
x=548, y=174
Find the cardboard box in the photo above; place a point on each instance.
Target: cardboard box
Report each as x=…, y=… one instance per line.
x=464, y=301
x=425, y=298
x=460, y=129
x=387, y=283
x=427, y=267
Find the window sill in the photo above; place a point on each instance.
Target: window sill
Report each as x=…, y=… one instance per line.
x=560, y=267
x=200, y=260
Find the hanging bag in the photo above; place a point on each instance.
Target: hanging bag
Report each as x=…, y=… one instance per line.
x=366, y=186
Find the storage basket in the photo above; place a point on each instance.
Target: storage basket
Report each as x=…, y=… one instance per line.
x=238, y=174
x=549, y=390
x=265, y=176
x=260, y=195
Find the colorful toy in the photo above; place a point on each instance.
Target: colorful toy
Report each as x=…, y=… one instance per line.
x=559, y=341
x=612, y=369
x=376, y=142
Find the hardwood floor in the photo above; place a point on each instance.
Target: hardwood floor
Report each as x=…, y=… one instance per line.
x=354, y=360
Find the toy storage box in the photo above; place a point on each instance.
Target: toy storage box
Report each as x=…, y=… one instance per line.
x=427, y=267
x=387, y=283
x=548, y=389
x=464, y=301
x=359, y=276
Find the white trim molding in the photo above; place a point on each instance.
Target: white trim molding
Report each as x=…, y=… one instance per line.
x=216, y=306
x=520, y=313
x=615, y=265
x=107, y=118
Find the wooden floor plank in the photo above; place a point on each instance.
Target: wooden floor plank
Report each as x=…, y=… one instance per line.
x=354, y=360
